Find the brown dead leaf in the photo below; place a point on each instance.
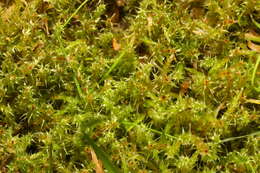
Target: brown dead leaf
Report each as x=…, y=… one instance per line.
x=99, y=167
x=116, y=45
x=120, y=3
x=253, y=46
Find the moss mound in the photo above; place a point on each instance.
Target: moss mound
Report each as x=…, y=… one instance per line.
x=129, y=86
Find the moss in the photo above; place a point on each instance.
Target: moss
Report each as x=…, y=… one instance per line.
x=150, y=86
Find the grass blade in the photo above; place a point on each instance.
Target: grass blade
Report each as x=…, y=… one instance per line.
x=255, y=22
x=75, y=12
x=151, y=130
x=251, y=37
x=255, y=69
x=240, y=137
x=118, y=60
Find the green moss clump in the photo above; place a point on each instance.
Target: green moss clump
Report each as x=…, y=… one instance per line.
x=149, y=85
